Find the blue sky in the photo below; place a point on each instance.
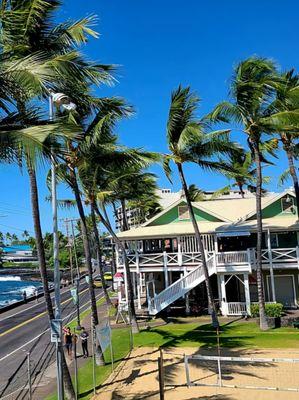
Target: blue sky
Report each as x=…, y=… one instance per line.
x=159, y=44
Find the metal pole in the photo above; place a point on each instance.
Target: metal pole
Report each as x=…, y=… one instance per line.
x=70, y=248
x=161, y=375
x=76, y=364
x=56, y=265
x=75, y=249
x=29, y=377
x=78, y=304
x=93, y=357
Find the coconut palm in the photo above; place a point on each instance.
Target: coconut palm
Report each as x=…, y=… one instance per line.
x=188, y=142
x=242, y=173
x=253, y=90
x=28, y=30
x=287, y=99
x=195, y=193
x=101, y=162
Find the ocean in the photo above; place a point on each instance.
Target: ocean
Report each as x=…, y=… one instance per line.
x=12, y=289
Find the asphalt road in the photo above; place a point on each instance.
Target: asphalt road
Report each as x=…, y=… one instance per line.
x=26, y=329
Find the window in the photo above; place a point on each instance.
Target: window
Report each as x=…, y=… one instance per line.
x=288, y=204
x=183, y=213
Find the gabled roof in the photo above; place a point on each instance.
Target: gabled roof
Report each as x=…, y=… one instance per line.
x=186, y=228
x=198, y=205
x=268, y=201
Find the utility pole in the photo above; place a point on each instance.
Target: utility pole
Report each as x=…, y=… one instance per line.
x=60, y=390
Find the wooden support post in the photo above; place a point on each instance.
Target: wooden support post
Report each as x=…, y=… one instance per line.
x=271, y=267
x=165, y=269
x=247, y=294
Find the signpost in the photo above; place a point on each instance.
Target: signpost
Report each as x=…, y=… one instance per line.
x=56, y=331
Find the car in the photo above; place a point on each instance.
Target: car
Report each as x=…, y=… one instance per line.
x=108, y=276
x=97, y=282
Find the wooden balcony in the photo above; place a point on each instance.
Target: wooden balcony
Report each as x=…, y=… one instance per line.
x=233, y=261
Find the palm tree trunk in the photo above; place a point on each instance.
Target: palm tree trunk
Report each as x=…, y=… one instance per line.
x=293, y=173
x=241, y=190
x=39, y=240
x=99, y=354
x=131, y=305
x=124, y=215
x=211, y=303
x=259, y=273
x=68, y=386
x=99, y=254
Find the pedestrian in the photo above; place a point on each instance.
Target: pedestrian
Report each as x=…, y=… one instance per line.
x=68, y=341
x=84, y=341
x=25, y=296
x=36, y=295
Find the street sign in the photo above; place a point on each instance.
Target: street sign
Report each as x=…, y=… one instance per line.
x=74, y=295
x=56, y=325
x=118, y=277
x=87, y=279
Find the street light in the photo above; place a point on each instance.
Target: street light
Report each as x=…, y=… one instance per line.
x=60, y=100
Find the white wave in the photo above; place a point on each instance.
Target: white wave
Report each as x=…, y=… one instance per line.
x=4, y=303
x=10, y=278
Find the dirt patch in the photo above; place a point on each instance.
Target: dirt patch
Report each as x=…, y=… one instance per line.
x=137, y=377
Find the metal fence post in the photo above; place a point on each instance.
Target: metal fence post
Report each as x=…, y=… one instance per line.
x=161, y=375
x=29, y=377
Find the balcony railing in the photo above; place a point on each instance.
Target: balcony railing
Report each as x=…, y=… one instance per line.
x=223, y=260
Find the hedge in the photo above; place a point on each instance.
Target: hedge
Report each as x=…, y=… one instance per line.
x=272, y=310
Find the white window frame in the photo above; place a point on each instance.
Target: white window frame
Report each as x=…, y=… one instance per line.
x=294, y=288
x=180, y=218
x=291, y=207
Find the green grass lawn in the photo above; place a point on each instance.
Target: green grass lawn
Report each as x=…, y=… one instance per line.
x=238, y=334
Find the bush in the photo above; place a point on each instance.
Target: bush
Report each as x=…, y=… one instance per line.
x=272, y=310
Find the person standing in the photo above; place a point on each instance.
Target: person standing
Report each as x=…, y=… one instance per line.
x=25, y=296
x=68, y=341
x=84, y=341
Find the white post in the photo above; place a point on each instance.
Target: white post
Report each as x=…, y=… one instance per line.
x=165, y=269
x=247, y=294
x=180, y=256
x=223, y=295
x=138, y=278
x=126, y=285
x=215, y=244
x=297, y=256
x=271, y=266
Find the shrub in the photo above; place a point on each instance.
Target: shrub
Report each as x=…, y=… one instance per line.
x=272, y=310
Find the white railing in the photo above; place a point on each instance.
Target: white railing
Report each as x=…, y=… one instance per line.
x=179, y=288
x=236, y=308
x=223, y=259
x=232, y=257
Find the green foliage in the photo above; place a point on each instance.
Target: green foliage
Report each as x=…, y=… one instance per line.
x=272, y=310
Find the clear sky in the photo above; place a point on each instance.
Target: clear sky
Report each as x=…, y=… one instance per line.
x=159, y=44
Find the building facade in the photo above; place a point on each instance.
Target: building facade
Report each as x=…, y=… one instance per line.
x=165, y=261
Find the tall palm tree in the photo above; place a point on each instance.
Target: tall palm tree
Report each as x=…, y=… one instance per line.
x=287, y=99
x=242, y=173
x=189, y=142
x=27, y=30
x=253, y=89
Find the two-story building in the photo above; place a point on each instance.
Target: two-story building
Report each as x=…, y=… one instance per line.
x=165, y=261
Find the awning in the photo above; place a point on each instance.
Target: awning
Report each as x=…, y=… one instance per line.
x=233, y=234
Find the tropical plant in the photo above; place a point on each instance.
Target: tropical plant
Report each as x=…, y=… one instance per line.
x=28, y=32
x=188, y=142
x=195, y=193
x=287, y=99
x=253, y=89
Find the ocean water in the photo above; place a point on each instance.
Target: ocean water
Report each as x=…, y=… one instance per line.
x=12, y=289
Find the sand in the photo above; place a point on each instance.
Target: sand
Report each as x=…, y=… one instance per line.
x=136, y=378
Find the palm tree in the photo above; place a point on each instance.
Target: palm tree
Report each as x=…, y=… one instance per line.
x=101, y=162
x=27, y=30
x=253, y=89
x=242, y=173
x=188, y=142
x=195, y=193
x=287, y=99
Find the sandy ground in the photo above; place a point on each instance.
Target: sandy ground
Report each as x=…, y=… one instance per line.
x=137, y=377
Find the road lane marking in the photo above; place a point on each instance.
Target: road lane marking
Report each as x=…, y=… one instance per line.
x=34, y=318
x=40, y=334
x=29, y=308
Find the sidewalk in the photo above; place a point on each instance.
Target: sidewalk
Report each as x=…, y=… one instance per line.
x=47, y=384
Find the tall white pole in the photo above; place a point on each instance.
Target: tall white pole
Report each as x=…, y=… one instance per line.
x=56, y=266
